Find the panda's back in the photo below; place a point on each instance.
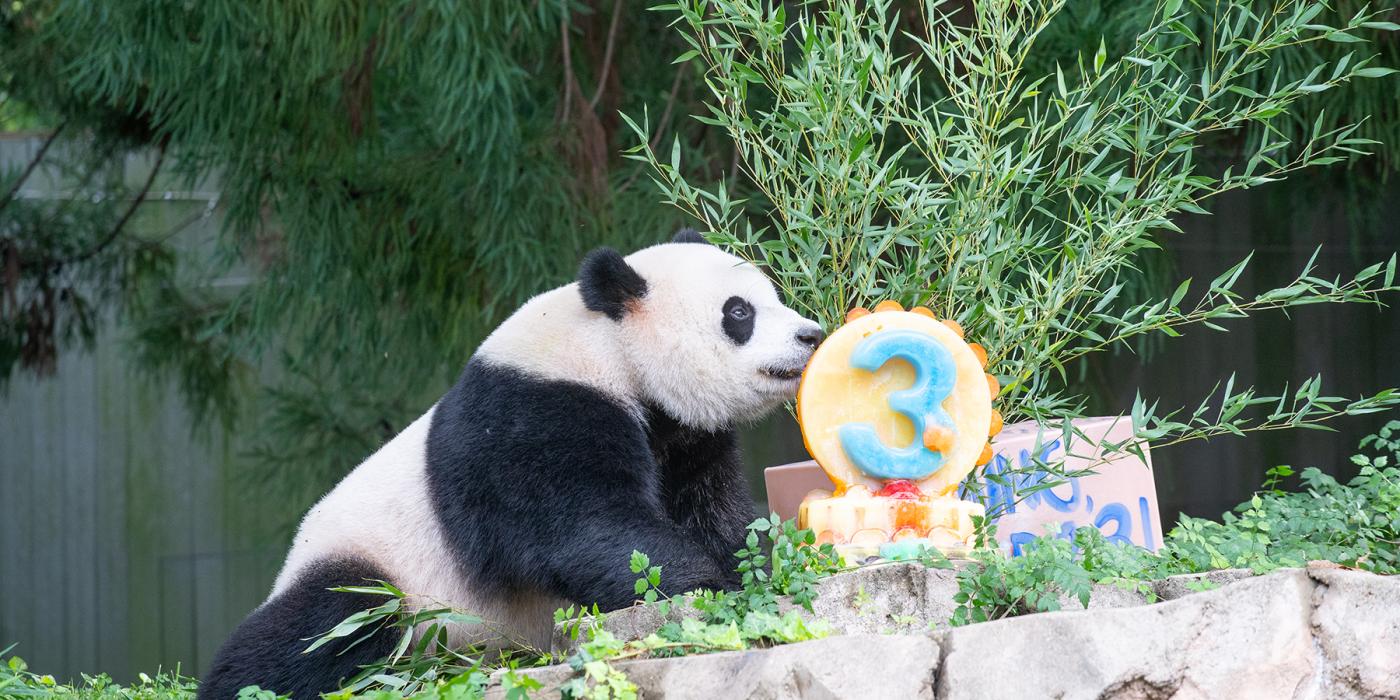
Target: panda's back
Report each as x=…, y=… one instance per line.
x=379, y=513
x=383, y=513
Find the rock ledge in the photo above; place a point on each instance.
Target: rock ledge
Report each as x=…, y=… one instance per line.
x=1298, y=633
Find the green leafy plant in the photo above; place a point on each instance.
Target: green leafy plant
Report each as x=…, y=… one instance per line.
x=597, y=679
x=1355, y=524
x=778, y=559
x=17, y=681
x=517, y=686
x=254, y=692
x=994, y=586
x=411, y=666
x=649, y=585
x=573, y=623
x=930, y=165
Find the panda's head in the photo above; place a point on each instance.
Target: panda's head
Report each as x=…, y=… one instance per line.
x=702, y=332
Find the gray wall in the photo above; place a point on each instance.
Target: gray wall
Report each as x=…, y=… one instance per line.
x=123, y=540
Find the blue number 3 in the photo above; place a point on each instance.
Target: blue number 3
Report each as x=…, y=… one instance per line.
x=922, y=403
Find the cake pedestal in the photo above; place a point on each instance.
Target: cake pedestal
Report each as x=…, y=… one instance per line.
x=861, y=524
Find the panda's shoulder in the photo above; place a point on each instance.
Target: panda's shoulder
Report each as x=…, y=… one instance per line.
x=498, y=416
x=553, y=337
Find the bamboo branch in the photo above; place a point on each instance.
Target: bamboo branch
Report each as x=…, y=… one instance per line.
x=660, y=125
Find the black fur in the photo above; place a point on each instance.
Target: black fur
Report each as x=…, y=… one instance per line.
x=608, y=284
x=689, y=235
x=739, y=318
x=534, y=498
x=266, y=648
x=703, y=486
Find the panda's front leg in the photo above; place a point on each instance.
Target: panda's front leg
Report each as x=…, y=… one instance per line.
x=590, y=563
x=706, y=494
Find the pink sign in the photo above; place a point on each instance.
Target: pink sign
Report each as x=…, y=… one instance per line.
x=1120, y=499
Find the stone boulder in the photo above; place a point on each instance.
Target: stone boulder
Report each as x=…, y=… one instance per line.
x=1356, y=624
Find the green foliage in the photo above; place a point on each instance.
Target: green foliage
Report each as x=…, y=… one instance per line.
x=931, y=164
x=597, y=679
x=1083, y=26
x=648, y=586
x=1355, y=524
x=17, y=681
x=777, y=560
x=422, y=170
x=994, y=586
x=727, y=625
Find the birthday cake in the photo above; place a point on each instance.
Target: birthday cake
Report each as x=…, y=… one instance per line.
x=896, y=407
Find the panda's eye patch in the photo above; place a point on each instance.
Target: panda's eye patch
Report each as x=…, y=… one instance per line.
x=738, y=320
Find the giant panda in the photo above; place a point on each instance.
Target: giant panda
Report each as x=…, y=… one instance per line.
x=597, y=419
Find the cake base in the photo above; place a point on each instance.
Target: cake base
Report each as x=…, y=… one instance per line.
x=861, y=524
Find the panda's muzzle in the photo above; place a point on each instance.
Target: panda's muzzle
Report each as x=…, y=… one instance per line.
x=784, y=374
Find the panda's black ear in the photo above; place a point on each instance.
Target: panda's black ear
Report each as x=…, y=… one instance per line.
x=688, y=235
x=608, y=284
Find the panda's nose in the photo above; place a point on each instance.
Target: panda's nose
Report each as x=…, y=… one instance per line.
x=811, y=337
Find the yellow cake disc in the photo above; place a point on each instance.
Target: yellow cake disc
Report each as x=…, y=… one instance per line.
x=833, y=394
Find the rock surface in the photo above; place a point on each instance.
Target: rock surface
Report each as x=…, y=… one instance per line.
x=1174, y=587
x=1248, y=640
x=1356, y=624
x=1297, y=633
x=888, y=666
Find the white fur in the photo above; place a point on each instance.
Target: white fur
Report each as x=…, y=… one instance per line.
x=381, y=512
x=670, y=349
x=554, y=336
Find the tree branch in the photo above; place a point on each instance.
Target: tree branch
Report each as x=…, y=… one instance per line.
x=126, y=215
x=607, y=55
x=568, y=69
x=29, y=169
